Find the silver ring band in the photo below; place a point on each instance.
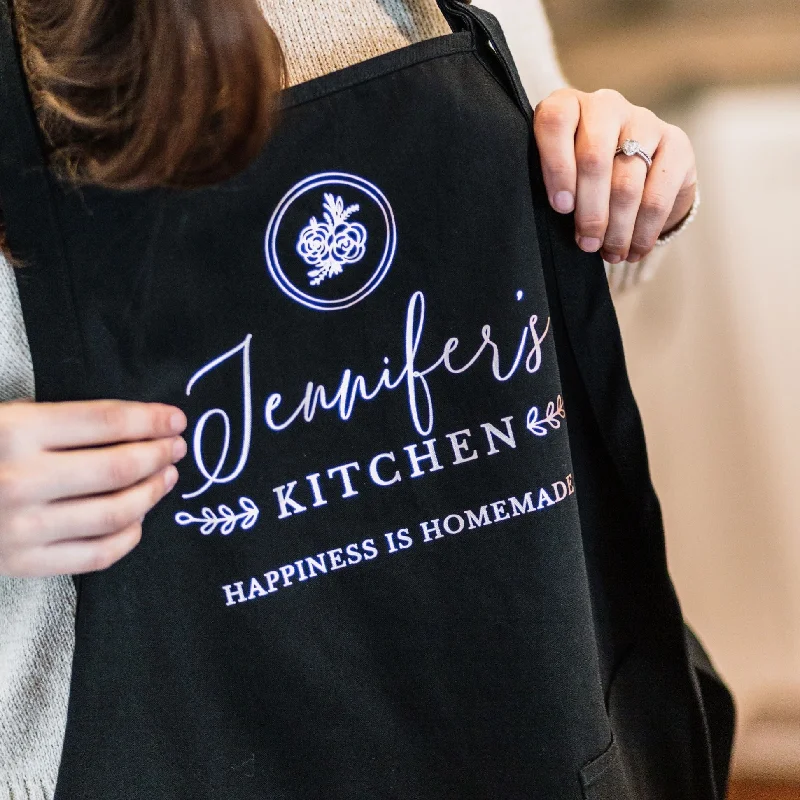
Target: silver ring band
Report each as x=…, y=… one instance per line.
x=630, y=147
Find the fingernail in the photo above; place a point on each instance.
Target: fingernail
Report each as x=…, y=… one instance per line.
x=564, y=202
x=589, y=244
x=613, y=258
x=178, y=450
x=177, y=422
x=170, y=478
x=633, y=258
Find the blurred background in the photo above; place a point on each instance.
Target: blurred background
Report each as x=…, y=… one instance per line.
x=713, y=339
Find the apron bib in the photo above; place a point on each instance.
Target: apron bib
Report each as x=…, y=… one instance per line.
x=414, y=551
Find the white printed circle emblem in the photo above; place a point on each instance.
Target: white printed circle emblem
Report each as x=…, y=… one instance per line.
x=331, y=241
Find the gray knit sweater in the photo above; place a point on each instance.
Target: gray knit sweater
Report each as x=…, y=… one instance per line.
x=37, y=615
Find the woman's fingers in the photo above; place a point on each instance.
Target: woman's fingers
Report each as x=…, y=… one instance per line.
x=668, y=193
x=555, y=122
x=93, y=471
x=577, y=134
x=628, y=182
x=78, y=556
x=604, y=115
x=92, y=516
x=67, y=426
x=619, y=208
x=81, y=471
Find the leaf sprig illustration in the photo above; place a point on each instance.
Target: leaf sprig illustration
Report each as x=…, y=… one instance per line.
x=551, y=421
x=225, y=518
x=336, y=212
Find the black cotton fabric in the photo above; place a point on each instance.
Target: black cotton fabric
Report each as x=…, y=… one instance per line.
x=414, y=551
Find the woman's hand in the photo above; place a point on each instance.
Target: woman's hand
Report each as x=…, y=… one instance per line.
x=76, y=480
x=619, y=207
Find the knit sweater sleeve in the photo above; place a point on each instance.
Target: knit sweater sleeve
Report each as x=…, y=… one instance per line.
x=36, y=617
x=16, y=369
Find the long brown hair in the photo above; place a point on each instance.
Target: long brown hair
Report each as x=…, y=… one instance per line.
x=142, y=93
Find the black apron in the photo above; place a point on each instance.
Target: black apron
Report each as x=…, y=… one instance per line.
x=414, y=551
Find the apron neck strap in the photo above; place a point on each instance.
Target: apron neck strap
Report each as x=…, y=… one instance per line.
x=456, y=13
x=489, y=35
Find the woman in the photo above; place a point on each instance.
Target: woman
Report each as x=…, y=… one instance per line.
x=119, y=455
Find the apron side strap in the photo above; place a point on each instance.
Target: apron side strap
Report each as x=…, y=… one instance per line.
x=583, y=295
x=33, y=233
x=577, y=284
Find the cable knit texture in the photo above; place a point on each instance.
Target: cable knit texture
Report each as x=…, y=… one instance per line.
x=16, y=369
x=36, y=642
x=37, y=616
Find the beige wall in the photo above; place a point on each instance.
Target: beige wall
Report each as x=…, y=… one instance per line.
x=657, y=51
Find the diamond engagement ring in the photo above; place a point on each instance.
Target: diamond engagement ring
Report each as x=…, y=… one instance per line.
x=630, y=147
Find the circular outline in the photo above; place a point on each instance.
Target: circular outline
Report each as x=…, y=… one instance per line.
x=312, y=182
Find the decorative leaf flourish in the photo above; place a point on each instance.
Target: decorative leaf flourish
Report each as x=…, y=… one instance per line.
x=226, y=519
x=552, y=418
x=331, y=245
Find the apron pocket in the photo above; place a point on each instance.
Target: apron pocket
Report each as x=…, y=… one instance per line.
x=603, y=778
